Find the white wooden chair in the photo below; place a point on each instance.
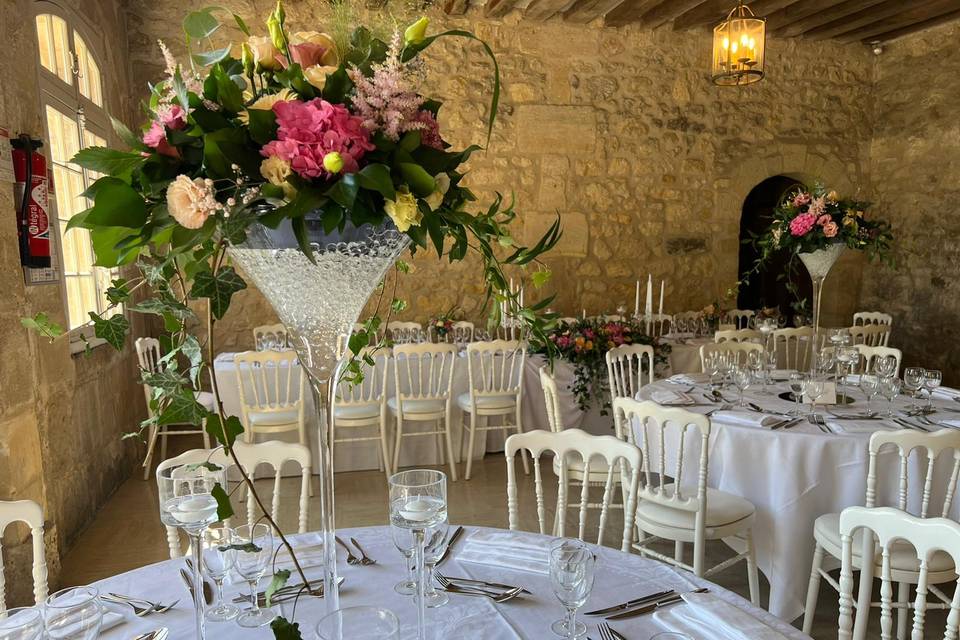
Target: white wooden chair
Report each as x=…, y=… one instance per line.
x=872, y=317
x=495, y=371
x=151, y=360
x=619, y=460
x=551, y=398
x=683, y=511
x=343, y=340
x=739, y=349
x=364, y=405
x=872, y=335
x=740, y=318
x=610, y=317
x=660, y=324
x=738, y=335
x=796, y=346
x=404, y=332
x=869, y=354
x=273, y=453
x=933, y=544
x=826, y=531
x=272, y=387
x=629, y=368
x=423, y=378
x=269, y=332
x=30, y=513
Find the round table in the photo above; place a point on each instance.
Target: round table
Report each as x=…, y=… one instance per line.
x=619, y=577
x=794, y=475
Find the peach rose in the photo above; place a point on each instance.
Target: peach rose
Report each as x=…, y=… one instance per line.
x=830, y=229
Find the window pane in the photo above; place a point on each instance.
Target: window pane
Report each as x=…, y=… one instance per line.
x=45, y=43
x=64, y=135
x=88, y=294
x=54, y=45
x=78, y=314
x=88, y=78
x=67, y=187
x=71, y=261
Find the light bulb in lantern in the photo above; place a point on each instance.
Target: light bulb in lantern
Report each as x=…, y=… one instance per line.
x=738, y=48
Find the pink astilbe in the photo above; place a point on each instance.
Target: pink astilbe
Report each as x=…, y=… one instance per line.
x=307, y=131
x=386, y=102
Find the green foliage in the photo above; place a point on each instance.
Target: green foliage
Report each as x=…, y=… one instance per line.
x=182, y=408
x=224, y=508
x=108, y=161
x=218, y=287
x=276, y=582
x=283, y=629
x=113, y=329
x=226, y=431
x=42, y=324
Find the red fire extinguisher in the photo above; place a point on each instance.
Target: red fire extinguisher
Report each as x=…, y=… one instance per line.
x=33, y=220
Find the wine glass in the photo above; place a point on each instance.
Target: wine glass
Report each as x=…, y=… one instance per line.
x=435, y=544
x=254, y=550
x=885, y=366
x=21, y=623
x=418, y=502
x=913, y=380
x=218, y=558
x=73, y=614
x=839, y=337
x=870, y=385
x=846, y=358
x=359, y=623
x=931, y=380
x=572, y=569
x=890, y=389
x=815, y=391
x=798, y=386
x=401, y=540
x=826, y=358
x=741, y=380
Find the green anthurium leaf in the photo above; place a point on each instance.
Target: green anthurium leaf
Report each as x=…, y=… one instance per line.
x=201, y=24
x=283, y=629
x=218, y=287
x=208, y=58
x=167, y=379
x=113, y=329
x=224, y=508
x=108, y=161
x=376, y=177
x=43, y=325
x=263, y=125
x=182, y=408
x=421, y=183
x=276, y=582
x=117, y=204
x=226, y=433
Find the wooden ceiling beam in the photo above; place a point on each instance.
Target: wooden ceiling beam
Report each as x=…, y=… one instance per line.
x=629, y=11
x=917, y=26
x=584, y=11
x=498, y=8
x=880, y=11
x=913, y=15
x=798, y=11
x=764, y=8
x=710, y=12
x=667, y=11
x=543, y=9
x=826, y=16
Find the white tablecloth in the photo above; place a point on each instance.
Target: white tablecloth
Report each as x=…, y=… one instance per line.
x=619, y=577
x=792, y=477
x=685, y=354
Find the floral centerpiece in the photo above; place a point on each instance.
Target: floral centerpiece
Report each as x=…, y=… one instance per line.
x=303, y=131
x=442, y=325
x=713, y=314
x=585, y=343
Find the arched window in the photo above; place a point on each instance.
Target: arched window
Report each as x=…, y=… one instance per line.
x=71, y=92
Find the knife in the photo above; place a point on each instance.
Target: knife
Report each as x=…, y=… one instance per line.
x=207, y=589
x=453, y=538
x=653, y=606
x=631, y=603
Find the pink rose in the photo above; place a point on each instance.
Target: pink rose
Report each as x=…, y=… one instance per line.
x=801, y=199
x=830, y=229
x=155, y=135
x=824, y=219
x=172, y=117
x=306, y=55
x=802, y=224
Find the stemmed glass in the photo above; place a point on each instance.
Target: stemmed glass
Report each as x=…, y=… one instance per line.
x=798, y=386
x=418, y=502
x=825, y=360
x=870, y=385
x=254, y=550
x=846, y=358
x=436, y=544
x=402, y=541
x=187, y=502
x=359, y=623
x=815, y=391
x=73, y=614
x=755, y=364
x=913, y=380
x=21, y=623
x=885, y=366
x=890, y=389
x=218, y=558
x=572, y=569
x=741, y=379
x=931, y=380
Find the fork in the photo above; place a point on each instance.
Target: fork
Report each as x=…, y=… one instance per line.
x=469, y=582
x=365, y=560
x=158, y=634
x=351, y=559
x=155, y=606
x=496, y=596
x=607, y=632
x=138, y=611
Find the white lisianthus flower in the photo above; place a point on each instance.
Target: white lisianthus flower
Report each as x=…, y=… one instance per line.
x=264, y=52
x=191, y=202
x=404, y=210
x=317, y=75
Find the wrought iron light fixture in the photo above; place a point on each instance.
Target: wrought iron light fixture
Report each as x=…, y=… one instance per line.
x=738, y=47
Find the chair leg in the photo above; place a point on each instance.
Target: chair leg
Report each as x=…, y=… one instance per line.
x=865, y=593
x=813, y=590
x=396, y=444
x=206, y=436
x=438, y=443
x=523, y=452
x=752, y=578
x=903, y=596
x=151, y=444
x=385, y=446
x=678, y=551
x=448, y=436
x=163, y=443
x=473, y=431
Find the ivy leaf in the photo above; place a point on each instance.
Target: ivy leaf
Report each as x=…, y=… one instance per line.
x=194, y=352
x=117, y=204
x=160, y=306
x=218, y=287
x=117, y=292
x=183, y=408
x=113, y=329
x=283, y=629
x=42, y=324
x=279, y=579
x=224, y=508
x=246, y=547
x=168, y=380
x=224, y=433
x=108, y=161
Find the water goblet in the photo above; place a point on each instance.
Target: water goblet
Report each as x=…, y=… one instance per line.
x=890, y=389
x=885, y=366
x=815, y=390
x=870, y=385
x=769, y=365
x=21, y=623
x=839, y=337
x=741, y=380
x=401, y=540
x=218, y=558
x=913, y=379
x=73, y=614
x=254, y=550
x=826, y=358
x=572, y=570
x=931, y=380
x=359, y=623
x=798, y=386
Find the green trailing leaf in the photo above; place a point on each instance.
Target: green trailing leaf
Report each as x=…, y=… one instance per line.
x=117, y=204
x=113, y=329
x=118, y=292
x=162, y=306
x=218, y=288
x=108, y=161
x=43, y=325
x=224, y=508
x=246, y=547
x=168, y=379
x=192, y=350
x=226, y=433
x=283, y=629
x=182, y=408
x=276, y=582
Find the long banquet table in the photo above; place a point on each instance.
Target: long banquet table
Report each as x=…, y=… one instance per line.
x=619, y=577
x=794, y=475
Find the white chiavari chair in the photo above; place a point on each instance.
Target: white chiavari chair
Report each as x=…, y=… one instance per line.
x=796, y=346
x=872, y=317
x=363, y=406
x=621, y=464
x=272, y=388
x=740, y=318
x=31, y=514
x=151, y=361
x=629, y=367
x=869, y=354
x=683, y=510
x=273, y=453
x=423, y=377
x=872, y=335
x=826, y=531
x=495, y=370
x=273, y=336
x=610, y=317
x=932, y=544
x=740, y=350
x=551, y=398
x=660, y=324
x=404, y=332
x=738, y=335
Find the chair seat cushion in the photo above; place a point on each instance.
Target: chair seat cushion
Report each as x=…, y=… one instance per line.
x=417, y=406
x=356, y=411
x=206, y=399
x=722, y=509
x=272, y=418
x=504, y=401
x=903, y=557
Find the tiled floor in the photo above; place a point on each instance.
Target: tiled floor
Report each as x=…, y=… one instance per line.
x=127, y=532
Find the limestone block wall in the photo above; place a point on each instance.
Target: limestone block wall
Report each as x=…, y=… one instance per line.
x=61, y=416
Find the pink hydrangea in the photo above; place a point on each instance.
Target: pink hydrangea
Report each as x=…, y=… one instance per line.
x=802, y=224
x=307, y=131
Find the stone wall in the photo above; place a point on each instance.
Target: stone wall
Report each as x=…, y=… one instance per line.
x=915, y=179
x=621, y=133
x=61, y=416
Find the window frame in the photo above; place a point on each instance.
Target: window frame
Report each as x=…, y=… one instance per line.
x=52, y=91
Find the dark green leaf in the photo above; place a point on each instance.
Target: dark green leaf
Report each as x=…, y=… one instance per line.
x=283, y=629
x=344, y=191
x=276, y=582
x=167, y=379
x=246, y=547
x=242, y=25
x=376, y=177
x=182, y=408
x=117, y=204
x=117, y=292
x=337, y=86
x=224, y=508
x=224, y=433
x=229, y=95
x=218, y=287
x=263, y=125
x=79, y=220
x=410, y=140
x=300, y=232
x=421, y=183
x=113, y=329
x=225, y=147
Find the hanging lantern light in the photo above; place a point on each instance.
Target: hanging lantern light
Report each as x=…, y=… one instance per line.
x=738, y=44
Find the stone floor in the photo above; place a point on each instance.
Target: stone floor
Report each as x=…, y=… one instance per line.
x=127, y=532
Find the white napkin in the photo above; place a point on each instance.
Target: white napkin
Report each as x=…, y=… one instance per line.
x=858, y=426
x=504, y=549
x=307, y=555
x=946, y=393
x=704, y=616
x=670, y=398
x=686, y=379
x=748, y=419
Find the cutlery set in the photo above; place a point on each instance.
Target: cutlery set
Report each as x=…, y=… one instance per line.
x=141, y=607
x=469, y=587
x=608, y=633
x=453, y=539
x=363, y=560
x=284, y=593
x=157, y=634
x=641, y=606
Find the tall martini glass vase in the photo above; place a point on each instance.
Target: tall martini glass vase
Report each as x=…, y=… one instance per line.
x=317, y=302
x=818, y=264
